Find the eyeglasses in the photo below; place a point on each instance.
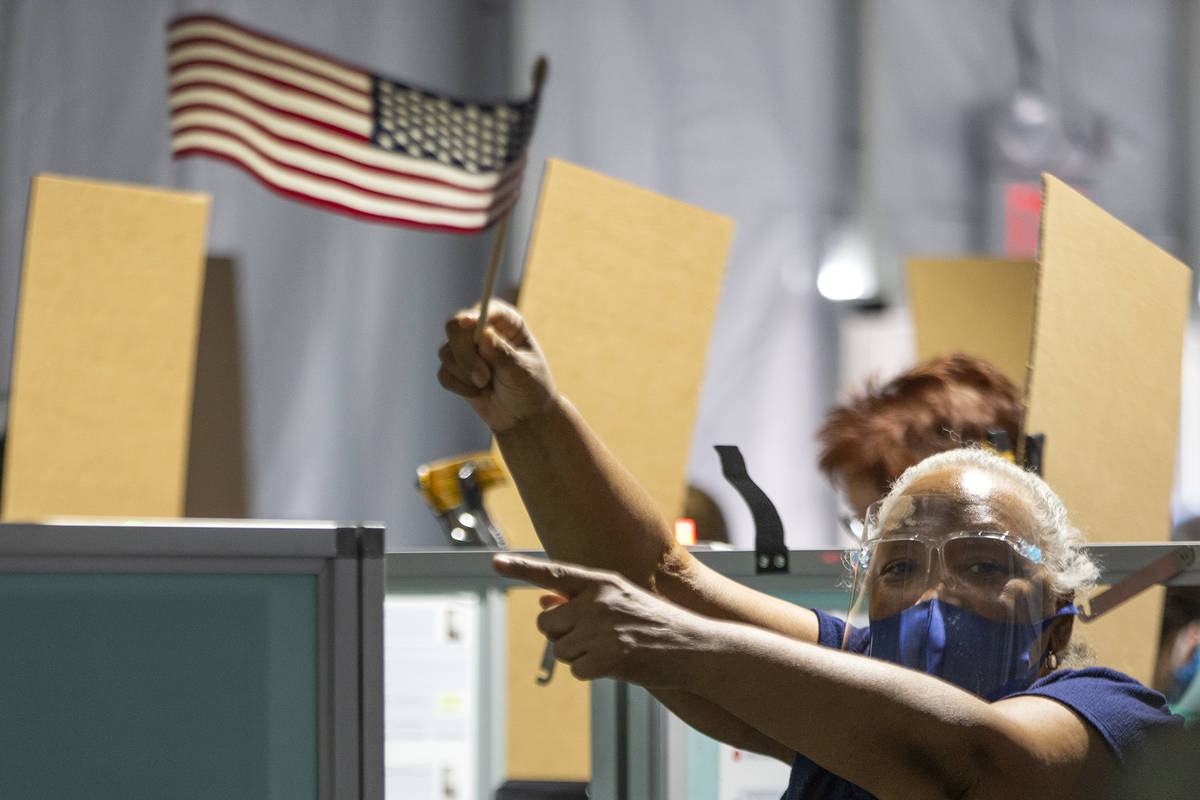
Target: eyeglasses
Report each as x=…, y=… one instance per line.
x=979, y=560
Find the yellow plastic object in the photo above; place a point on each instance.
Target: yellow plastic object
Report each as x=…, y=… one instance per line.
x=438, y=483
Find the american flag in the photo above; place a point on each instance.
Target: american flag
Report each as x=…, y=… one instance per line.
x=322, y=131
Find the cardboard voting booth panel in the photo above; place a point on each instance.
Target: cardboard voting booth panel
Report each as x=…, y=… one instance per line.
x=1112, y=310
x=976, y=306
x=105, y=351
x=1100, y=319
x=621, y=286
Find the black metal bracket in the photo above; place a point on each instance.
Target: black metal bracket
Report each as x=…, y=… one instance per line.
x=770, y=550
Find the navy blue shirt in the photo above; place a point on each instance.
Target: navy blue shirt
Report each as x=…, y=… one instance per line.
x=1124, y=712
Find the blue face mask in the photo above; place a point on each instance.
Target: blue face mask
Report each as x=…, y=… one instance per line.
x=981, y=655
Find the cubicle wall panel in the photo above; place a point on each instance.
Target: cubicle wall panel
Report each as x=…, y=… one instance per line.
x=190, y=659
x=104, y=673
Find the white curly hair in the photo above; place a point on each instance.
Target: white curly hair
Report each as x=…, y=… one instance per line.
x=1071, y=571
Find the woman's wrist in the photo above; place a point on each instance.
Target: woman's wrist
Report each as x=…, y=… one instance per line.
x=535, y=423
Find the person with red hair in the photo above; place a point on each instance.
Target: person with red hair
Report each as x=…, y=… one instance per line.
x=943, y=403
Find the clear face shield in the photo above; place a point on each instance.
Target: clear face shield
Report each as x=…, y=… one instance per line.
x=952, y=585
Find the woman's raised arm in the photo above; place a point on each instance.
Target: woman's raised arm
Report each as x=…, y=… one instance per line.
x=586, y=507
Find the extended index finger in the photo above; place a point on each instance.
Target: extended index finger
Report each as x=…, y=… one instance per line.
x=566, y=579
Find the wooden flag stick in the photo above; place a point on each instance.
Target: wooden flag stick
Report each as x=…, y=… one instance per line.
x=489, y=280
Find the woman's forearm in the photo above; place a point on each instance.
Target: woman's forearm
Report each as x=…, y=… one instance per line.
x=585, y=505
x=717, y=723
x=588, y=509
x=895, y=732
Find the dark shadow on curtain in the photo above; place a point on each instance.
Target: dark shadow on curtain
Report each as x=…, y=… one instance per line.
x=216, y=482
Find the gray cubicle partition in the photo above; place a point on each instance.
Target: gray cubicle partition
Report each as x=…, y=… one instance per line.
x=191, y=659
x=632, y=758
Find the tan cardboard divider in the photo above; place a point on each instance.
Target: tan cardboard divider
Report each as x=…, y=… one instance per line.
x=621, y=286
x=979, y=306
x=1102, y=326
x=105, y=354
x=1112, y=309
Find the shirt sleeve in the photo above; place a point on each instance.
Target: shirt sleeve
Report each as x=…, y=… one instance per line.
x=830, y=631
x=1125, y=712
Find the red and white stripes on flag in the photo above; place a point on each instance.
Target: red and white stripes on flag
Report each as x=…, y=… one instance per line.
x=325, y=132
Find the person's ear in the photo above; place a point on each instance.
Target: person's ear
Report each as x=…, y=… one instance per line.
x=1060, y=633
x=1061, y=629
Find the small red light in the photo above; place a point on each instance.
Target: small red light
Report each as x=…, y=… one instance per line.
x=685, y=531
